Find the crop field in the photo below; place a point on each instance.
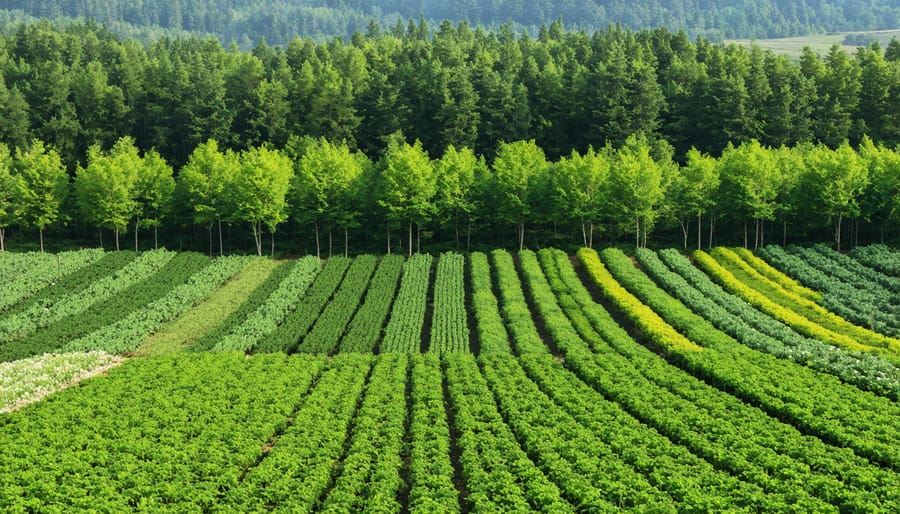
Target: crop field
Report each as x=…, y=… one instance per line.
x=534, y=381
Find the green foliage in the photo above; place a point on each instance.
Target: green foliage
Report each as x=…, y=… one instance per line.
x=44, y=186
x=259, y=190
x=403, y=332
x=449, y=323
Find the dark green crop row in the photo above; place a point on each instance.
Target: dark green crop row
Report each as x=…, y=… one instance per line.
x=449, y=324
x=366, y=327
x=404, y=330
x=514, y=306
x=492, y=334
x=36, y=274
x=879, y=257
x=332, y=322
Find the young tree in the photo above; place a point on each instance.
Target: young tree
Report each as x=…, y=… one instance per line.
x=693, y=191
x=323, y=179
x=637, y=186
x=516, y=168
x=10, y=189
x=881, y=200
x=260, y=190
x=105, y=189
x=202, y=185
x=837, y=179
x=45, y=186
x=154, y=188
x=407, y=184
x=580, y=186
x=750, y=184
x=455, y=174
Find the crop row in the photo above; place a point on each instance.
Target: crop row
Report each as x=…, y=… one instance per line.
x=256, y=298
x=89, y=291
x=644, y=318
x=769, y=303
x=759, y=331
x=816, y=403
x=332, y=322
x=812, y=311
x=492, y=335
x=774, y=277
x=370, y=477
x=850, y=270
x=297, y=321
x=271, y=310
x=431, y=486
x=38, y=271
x=589, y=473
x=514, y=306
x=449, y=326
x=127, y=333
x=299, y=468
x=499, y=475
x=846, y=300
x=879, y=257
x=730, y=434
x=28, y=380
x=174, y=273
x=96, y=448
x=404, y=329
x=180, y=333
x=365, y=328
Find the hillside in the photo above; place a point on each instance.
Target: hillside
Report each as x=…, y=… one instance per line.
x=246, y=21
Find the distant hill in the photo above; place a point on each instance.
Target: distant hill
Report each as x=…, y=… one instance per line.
x=245, y=21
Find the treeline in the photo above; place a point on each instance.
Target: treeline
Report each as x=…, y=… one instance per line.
x=323, y=187
x=246, y=21
x=458, y=86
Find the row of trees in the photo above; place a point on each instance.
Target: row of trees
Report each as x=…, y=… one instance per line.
x=329, y=187
x=458, y=86
x=248, y=20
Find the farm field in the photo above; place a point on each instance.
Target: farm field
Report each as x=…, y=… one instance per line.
x=531, y=381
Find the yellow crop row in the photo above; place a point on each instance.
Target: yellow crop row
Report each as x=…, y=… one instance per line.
x=767, y=271
x=648, y=321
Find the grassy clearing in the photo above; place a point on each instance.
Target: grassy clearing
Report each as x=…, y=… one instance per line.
x=820, y=43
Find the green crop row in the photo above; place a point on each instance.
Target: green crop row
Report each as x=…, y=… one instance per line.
x=492, y=335
x=879, y=257
x=589, y=473
x=332, y=322
x=257, y=297
x=850, y=270
x=404, y=330
x=728, y=433
x=449, y=325
x=127, y=333
x=499, y=475
x=371, y=471
x=774, y=276
x=870, y=309
x=90, y=290
x=297, y=321
x=431, y=486
x=300, y=466
x=514, y=306
x=96, y=448
x=174, y=273
x=365, y=328
x=762, y=332
x=271, y=311
x=37, y=271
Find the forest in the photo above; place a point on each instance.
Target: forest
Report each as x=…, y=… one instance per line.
x=568, y=114
x=246, y=21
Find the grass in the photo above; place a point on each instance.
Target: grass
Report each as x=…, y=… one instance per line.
x=820, y=43
x=182, y=332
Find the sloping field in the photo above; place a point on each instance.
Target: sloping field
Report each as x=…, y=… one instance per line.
x=500, y=382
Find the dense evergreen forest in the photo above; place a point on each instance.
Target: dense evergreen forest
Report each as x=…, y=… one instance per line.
x=245, y=21
x=648, y=129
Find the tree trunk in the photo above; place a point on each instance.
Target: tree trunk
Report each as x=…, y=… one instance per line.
x=117, y=241
x=318, y=248
x=346, y=242
x=101, y=238
x=745, y=234
x=637, y=231
x=155, y=237
x=256, y=237
x=409, y=250
x=468, y=235
x=837, y=231
x=456, y=229
x=41, y=232
x=273, y=245
x=330, y=241
x=584, y=233
x=762, y=234
x=712, y=225
x=684, y=230
x=136, y=225
x=590, y=234
x=2, y=237
x=210, y=240
x=221, y=252
x=389, y=240
x=699, y=231
x=521, y=236
x=418, y=238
